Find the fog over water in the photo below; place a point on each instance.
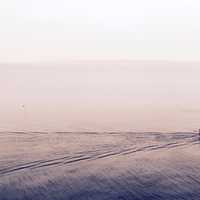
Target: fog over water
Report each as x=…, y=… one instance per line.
x=100, y=95
x=99, y=100
x=135, y=65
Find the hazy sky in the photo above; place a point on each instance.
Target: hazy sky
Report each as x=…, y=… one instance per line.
x=44, y=30
x=105, y=96
x=42, y=43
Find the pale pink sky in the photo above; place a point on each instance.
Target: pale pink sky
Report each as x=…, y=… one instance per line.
x=103, y=96
x=49, y=30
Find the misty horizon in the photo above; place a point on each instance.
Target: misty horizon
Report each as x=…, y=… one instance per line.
x=100, y=96
x=99, y=100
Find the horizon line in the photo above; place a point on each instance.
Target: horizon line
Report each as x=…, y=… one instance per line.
x=119, y=131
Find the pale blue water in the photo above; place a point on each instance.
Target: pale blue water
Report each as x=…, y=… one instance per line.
x=99, y=166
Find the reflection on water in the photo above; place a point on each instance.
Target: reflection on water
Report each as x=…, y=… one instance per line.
x=97, y=166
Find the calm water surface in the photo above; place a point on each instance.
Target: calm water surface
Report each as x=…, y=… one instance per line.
x=99, y=166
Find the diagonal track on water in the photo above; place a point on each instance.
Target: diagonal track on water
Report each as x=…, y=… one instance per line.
x=84, y=156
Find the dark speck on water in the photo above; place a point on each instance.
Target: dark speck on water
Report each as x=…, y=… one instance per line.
x=99, y=166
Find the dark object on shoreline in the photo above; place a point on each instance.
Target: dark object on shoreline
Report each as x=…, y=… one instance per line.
x=199, y=132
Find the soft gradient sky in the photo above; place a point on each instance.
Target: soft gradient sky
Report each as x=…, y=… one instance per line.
x=103, y=96
x=44, y=30
x=74, y=65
